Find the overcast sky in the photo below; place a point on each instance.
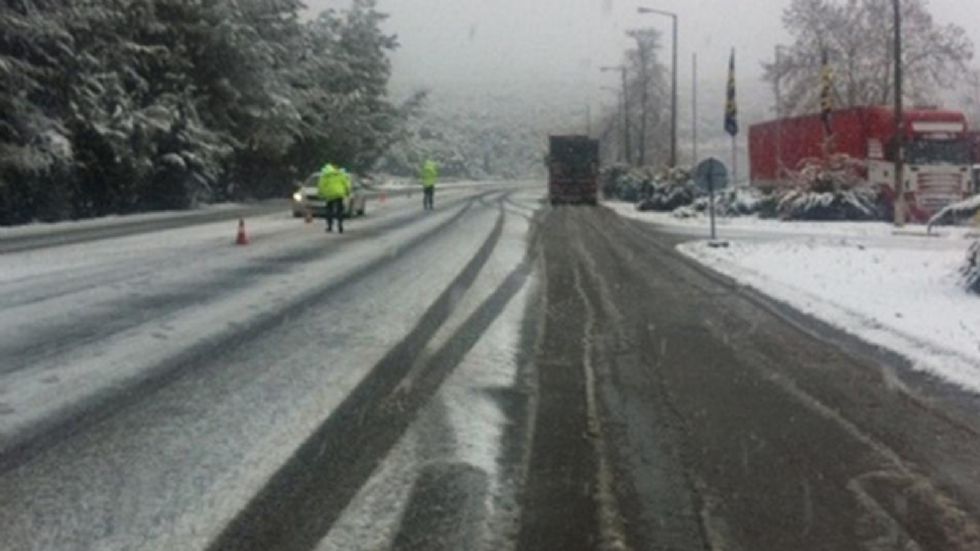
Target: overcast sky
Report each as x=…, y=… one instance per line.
x=506, y=41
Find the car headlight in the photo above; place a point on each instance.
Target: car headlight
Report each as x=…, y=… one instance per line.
x=298, y=197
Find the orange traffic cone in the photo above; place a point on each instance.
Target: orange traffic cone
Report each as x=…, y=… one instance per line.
x=242, y=238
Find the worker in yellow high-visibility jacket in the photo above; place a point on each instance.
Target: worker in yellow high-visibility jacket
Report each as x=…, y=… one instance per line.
x=334, y=188
x=429, y=175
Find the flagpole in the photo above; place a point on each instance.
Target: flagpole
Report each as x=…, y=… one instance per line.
x=734, y=161
x=731, y=116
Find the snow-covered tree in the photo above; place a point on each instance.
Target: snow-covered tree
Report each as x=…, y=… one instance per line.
x=344, y=98
x=857, y=35
x=648, y=99
x=483, y=133
x=124, y=105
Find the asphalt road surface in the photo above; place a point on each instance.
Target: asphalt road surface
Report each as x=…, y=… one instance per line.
x=496, y=374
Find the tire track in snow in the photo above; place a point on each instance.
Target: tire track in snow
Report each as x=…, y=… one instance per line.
x=74, y=236
x=302, y=501
x=15, y=449
x=127, y=313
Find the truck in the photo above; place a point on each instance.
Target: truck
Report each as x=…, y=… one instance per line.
x=573, y=170
x=974, y=137
x=938, y=152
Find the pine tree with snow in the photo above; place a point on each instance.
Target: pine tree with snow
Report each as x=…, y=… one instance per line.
x=125, y=105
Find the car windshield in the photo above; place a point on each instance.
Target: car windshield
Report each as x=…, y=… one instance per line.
x=516, y=275
x=957, y=152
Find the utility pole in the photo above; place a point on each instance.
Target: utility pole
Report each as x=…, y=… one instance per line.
x=643, y=52
x=899, y=122
x=694, y=110
x=779, y=112
x=627, y=146
x=673, y=79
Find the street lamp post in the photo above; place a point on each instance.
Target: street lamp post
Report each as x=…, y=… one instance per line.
x=626, y=109
x=673, y=78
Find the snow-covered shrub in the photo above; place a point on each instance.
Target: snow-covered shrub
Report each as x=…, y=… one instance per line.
x=624, y=183
x=964, y=212
x=609, y=177
x=672, y=189
x=829, y=189
x=666, y=198
x=971, y=269
x=731, y=203
x=740, y=202
x=856, y=205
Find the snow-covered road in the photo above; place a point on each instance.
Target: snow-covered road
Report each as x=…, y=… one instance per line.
x=494, y=375
x=899, y=290
x=151, y=385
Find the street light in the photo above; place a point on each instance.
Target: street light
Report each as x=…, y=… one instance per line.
x=673, y=86
x=626, y=120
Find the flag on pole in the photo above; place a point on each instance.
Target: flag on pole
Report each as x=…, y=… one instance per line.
x=826, y=93
x=731, y=105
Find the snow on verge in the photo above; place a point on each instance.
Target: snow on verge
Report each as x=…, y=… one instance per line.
x=903, y=299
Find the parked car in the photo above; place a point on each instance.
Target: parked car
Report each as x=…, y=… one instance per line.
x=307, y=198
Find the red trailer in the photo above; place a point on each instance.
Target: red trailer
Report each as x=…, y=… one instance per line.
x=938, y=152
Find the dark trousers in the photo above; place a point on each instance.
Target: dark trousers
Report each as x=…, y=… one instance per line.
x=335, y=209
x=428, y=198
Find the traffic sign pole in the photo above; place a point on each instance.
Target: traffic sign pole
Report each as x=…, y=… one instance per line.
x=711, y=194
x=710, y=174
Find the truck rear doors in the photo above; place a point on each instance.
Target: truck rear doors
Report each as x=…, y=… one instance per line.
x=573, y=165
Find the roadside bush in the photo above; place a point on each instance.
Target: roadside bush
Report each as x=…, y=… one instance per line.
x=609, y=178
x=856, y=205
x=623, y=183
x=671, y=190
x=669, y=197
x=830, y=189
x=741, y=202
x=731, y=203
x=971, y=269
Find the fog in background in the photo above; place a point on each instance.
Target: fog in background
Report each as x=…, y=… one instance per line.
x=552, y=49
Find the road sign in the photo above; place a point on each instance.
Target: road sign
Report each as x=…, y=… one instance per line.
x=710, y=175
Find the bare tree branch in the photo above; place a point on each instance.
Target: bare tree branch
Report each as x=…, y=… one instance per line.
x=857, y=38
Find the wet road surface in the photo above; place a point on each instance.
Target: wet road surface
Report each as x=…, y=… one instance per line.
x=724, y=421
x=497, y=375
